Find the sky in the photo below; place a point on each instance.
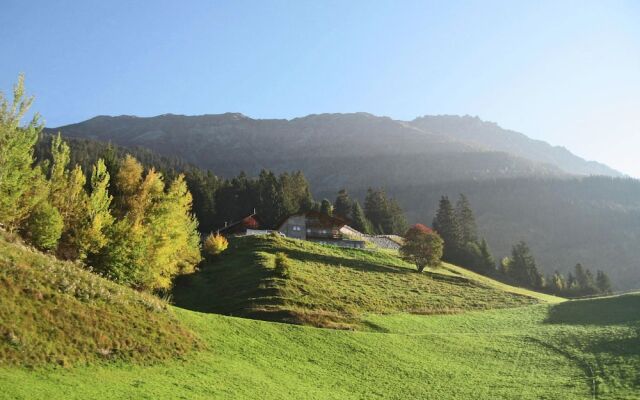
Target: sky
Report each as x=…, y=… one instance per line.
x=567, y=72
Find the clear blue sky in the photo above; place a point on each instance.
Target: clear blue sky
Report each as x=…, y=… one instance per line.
x=567, y=72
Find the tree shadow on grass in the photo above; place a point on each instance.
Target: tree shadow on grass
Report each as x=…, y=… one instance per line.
x=618, y=310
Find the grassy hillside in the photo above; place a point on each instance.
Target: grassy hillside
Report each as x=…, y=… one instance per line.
x=52, y=312
x=333, y=287
x=535, y=352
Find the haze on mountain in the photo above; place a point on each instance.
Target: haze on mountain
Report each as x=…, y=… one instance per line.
x=520, y=188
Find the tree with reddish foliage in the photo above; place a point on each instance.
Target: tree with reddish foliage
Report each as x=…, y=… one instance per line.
x=422, y=247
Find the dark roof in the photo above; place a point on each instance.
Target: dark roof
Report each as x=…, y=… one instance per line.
x=324, y=218
x=248, y=222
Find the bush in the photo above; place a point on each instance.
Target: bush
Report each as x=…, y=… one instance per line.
x=44, y=226
x=283, y=265
x=215, y=244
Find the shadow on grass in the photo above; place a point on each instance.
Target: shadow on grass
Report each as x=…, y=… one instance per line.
x=235, y=283
x=368, y=266
x=618, y=310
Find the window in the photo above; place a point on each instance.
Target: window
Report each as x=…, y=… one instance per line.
x=297, y=228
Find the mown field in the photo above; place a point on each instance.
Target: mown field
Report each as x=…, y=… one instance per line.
x=327, y=286
x=533, y=352
x=497, y=349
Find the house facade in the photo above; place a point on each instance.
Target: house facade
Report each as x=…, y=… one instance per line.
x=317, y=227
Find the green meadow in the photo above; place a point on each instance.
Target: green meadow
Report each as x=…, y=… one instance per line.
x=445, y=334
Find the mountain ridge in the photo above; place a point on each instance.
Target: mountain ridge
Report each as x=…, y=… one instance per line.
x=438, y=133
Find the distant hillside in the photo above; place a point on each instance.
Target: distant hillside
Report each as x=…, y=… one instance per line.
x=489, y=135
x=334, y=287
x=592, y=220
x=334, y=150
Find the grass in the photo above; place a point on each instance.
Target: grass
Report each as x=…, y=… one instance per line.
x=580, y=349
x=531, y=352
x=53, y=312
x=334, y=287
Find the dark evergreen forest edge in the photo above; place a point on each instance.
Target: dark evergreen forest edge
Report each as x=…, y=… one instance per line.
x=217, y=201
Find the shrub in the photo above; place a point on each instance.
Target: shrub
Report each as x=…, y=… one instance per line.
x=215, y=244
x=44, y=226
x=422, y=247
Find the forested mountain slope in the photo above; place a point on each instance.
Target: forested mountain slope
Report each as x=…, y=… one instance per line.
x=564, y=218
x=333, y=150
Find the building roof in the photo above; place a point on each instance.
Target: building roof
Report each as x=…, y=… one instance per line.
x=249, y=222
x=323, y=218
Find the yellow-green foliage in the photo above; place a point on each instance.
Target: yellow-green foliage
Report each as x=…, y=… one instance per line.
x=55, y=312
x=44, y=226
x=156, y=237
x=215, y=244
x=98, y=218
x=18, y=179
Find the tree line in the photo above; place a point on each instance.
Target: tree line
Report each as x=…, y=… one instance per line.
x=457, y=226
x=126, y=221
x=217, y=200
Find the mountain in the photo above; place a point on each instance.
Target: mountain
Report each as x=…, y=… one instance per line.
x=334, y=150
x=493, y=137
x=565, y=218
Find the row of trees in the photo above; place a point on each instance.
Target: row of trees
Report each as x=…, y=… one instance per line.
x=136, y=230
x=457, y=227
x=381, y=214
x=521, y=268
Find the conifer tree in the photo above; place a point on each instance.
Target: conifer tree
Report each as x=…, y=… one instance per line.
x=359, y=221
x=522, y=266
x=67, y=194
x=44, y=226
x=466, y=220
x=17, y=176
x=447, y=226
x=488, y=263
x=98, y=219
x=603, y=283
x=326, y=207
x=343, y=205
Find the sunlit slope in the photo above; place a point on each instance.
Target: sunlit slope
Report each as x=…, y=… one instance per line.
x=56, y=313
x=328, y=286
x=533, y=352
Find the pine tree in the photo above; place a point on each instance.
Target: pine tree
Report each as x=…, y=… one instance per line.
x=447, y=226
x=466, y=220
x=127, y=182
x=343, y=205
x=603, y=283
x=385, y=214
x=17, y=176
x=359, y=221
x=44, y=226
x=67, y=194
x=522, y=266
x=98, y=219
x=326, y=207
x=487, y=262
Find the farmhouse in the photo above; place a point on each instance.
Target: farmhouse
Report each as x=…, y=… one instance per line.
x=317, y=227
